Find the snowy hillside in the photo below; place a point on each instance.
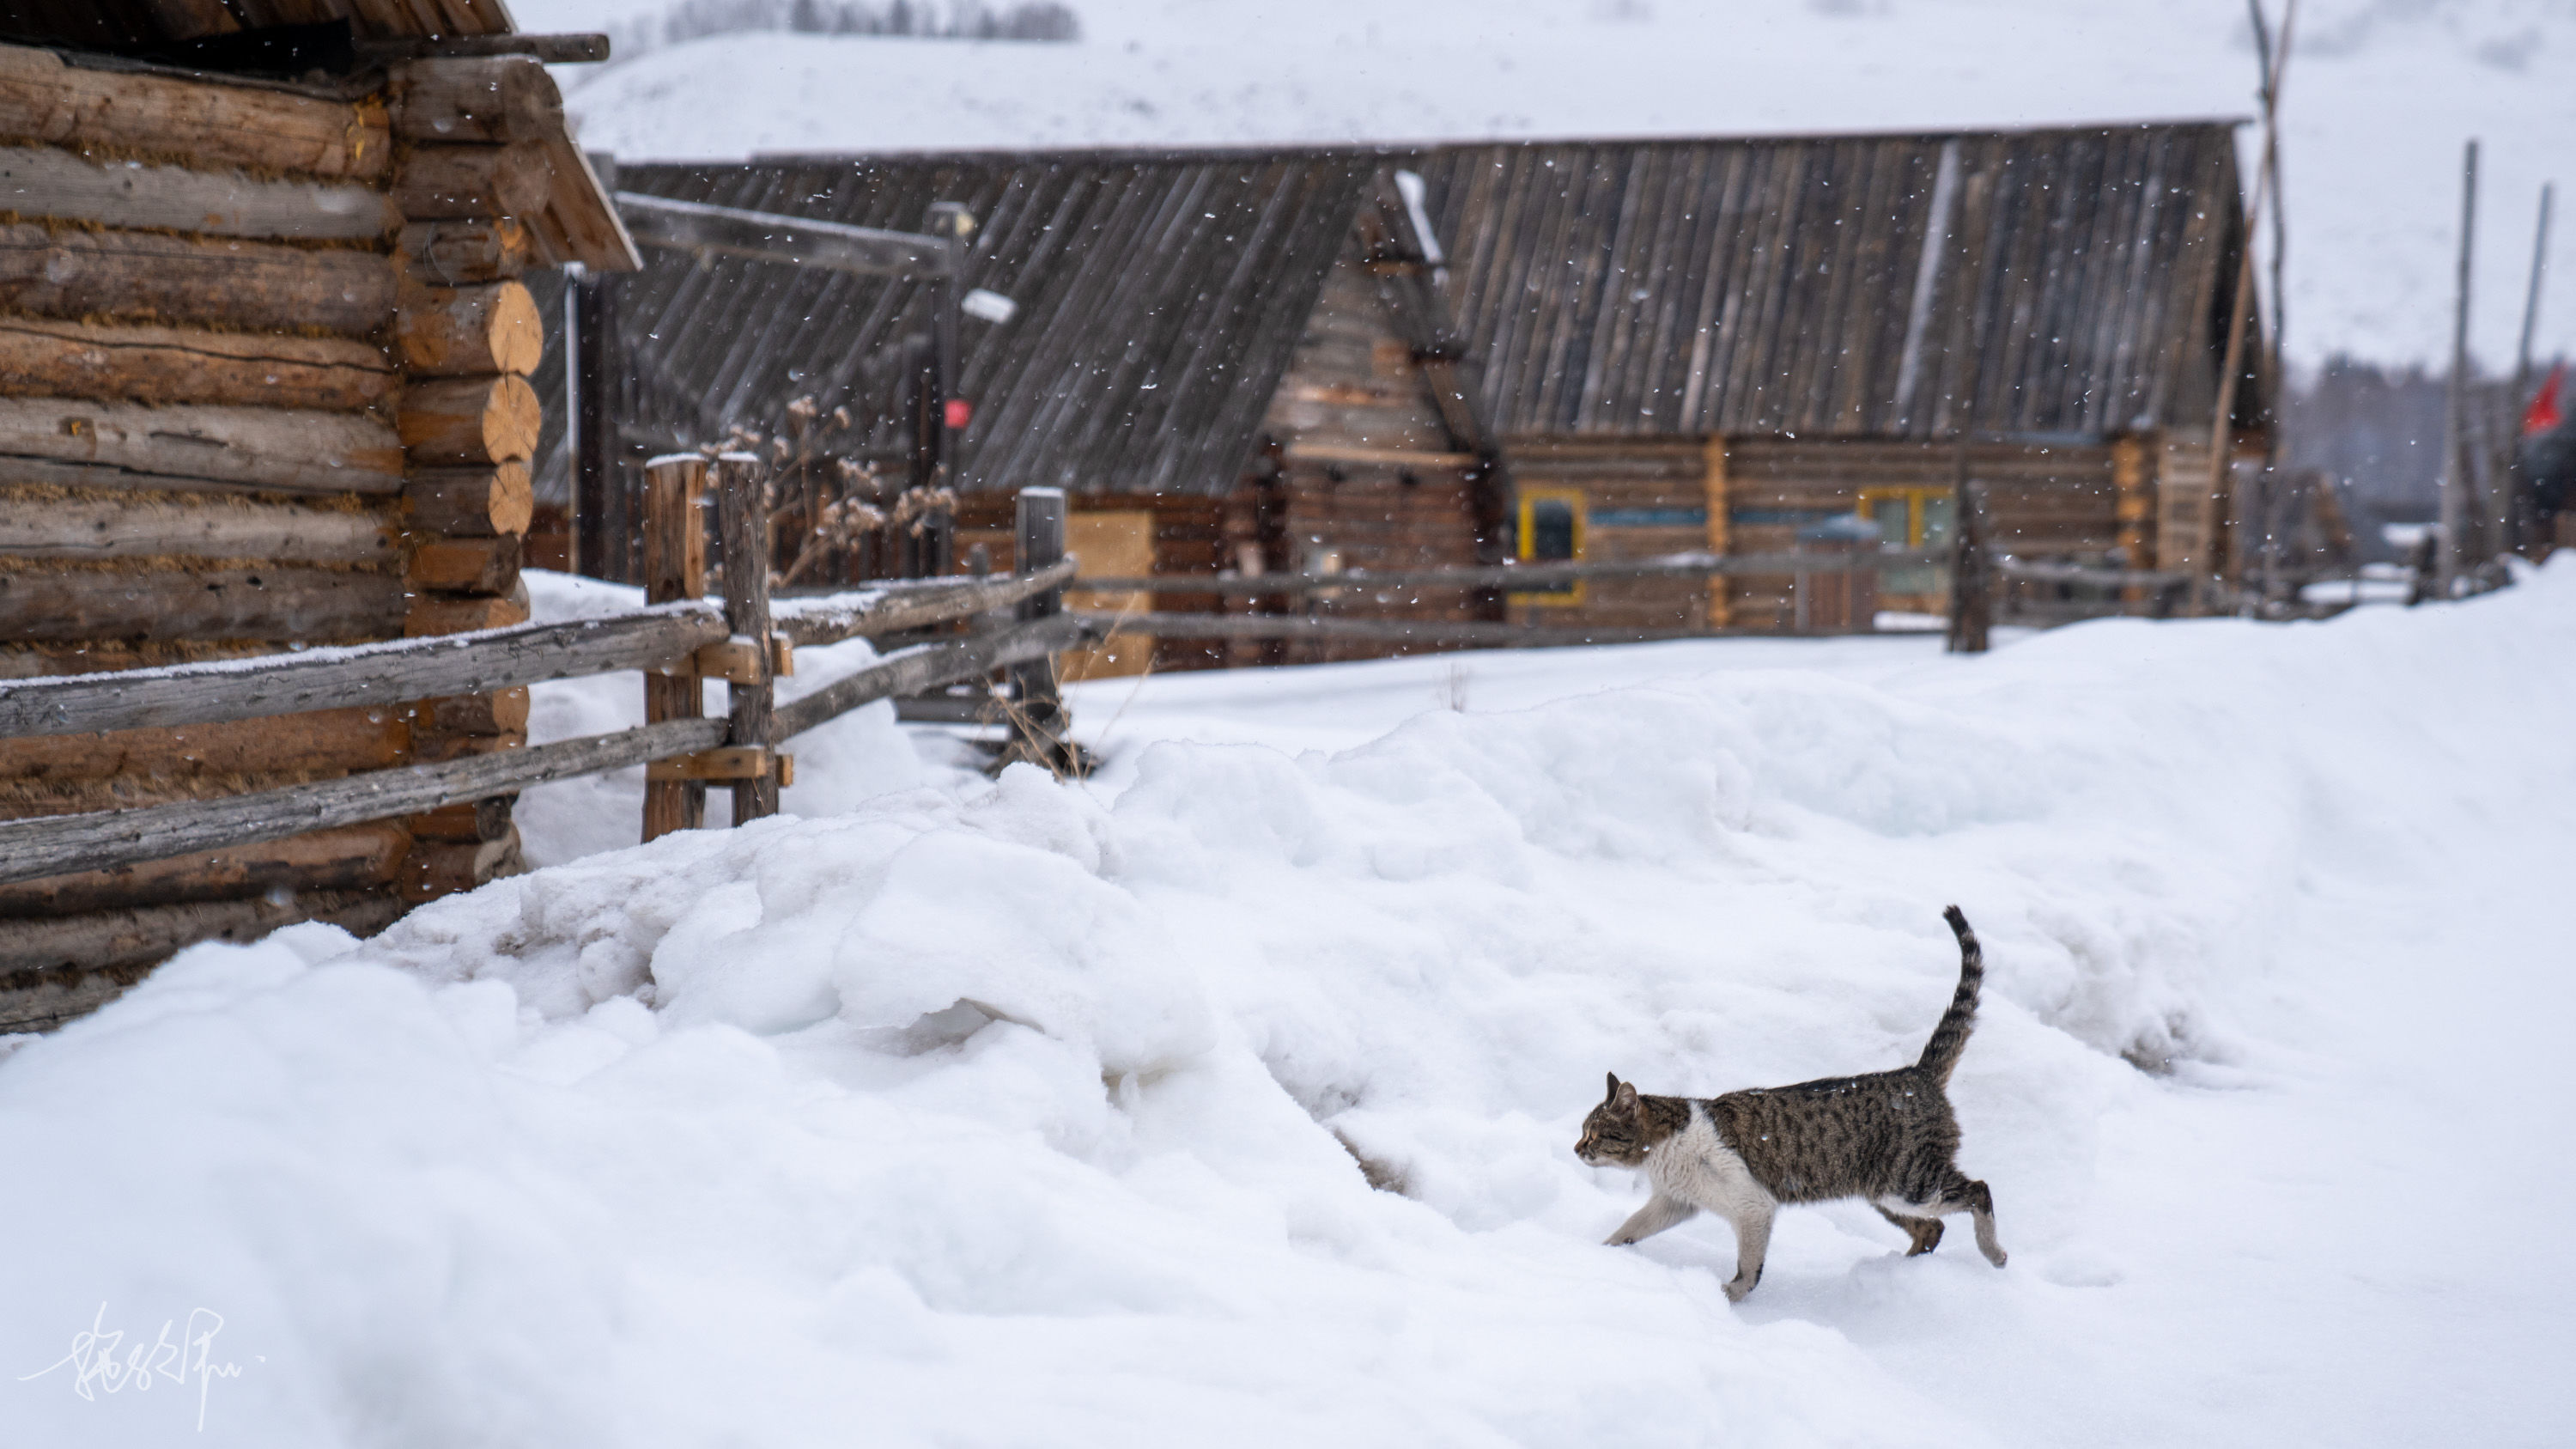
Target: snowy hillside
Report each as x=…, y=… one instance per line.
x=2379, y=98
x=1036, y=1113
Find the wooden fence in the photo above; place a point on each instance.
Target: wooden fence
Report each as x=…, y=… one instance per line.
x=1811, y=568
x=2002, y=590
x=679, y=641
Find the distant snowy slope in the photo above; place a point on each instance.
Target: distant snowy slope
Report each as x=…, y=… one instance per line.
x=2380, y=96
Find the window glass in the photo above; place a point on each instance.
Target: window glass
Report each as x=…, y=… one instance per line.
x=1551, y=531
x=1895, y=529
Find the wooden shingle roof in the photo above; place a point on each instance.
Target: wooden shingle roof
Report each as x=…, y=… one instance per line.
x=1781, y=285
x=1158, y=299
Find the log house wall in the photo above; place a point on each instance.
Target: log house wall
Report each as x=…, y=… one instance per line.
x=2044, y=501
x=1642, y=497
x=300, y=418
x=1360, y=472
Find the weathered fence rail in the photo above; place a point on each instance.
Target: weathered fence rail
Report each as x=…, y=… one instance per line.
x=686, y=639
x=61, y=844
x=1511, y=578
x=400, y=670
x=1517, y=577
x=1413, y=631
x=2043, y=572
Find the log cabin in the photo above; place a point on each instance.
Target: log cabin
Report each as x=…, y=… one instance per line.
x=1721, y=344
x=264, y=349
x=1324, y=360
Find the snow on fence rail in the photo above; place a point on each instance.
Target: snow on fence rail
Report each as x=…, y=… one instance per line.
x=683, y=641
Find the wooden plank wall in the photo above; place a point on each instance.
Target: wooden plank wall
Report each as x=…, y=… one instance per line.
x=1189, y=538
x=2195, y=528
x=1642, y=497
x=2043, y=501
x=302, y=423
x=1362, y=472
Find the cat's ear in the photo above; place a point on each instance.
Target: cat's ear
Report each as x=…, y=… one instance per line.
x=1623, y=1095
x=1613, y=1094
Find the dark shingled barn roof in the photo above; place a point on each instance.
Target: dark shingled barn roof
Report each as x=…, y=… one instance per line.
x=1779, y=285
x=1159, y=298
x=1751, y=286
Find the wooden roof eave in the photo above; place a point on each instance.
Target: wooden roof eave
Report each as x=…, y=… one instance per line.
x=580, y=222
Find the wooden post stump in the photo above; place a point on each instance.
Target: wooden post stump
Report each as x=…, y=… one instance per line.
x=742, y=523
x=1038, y=722
x=675, y=567
x=1972, y=574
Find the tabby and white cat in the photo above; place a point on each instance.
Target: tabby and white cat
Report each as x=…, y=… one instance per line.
x=1888, y=1137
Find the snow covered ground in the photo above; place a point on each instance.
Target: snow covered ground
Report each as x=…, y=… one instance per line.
x=2379, y=98
x=1031, y=1113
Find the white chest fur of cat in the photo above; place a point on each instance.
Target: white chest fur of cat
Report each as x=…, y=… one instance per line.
x=1693, y=1172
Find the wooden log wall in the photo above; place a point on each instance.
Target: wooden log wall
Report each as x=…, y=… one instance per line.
x=2194, y=527
x=471, y=183
x=263, y=361
x=1362, y=473
x=2043, y=502
x=1642, y=497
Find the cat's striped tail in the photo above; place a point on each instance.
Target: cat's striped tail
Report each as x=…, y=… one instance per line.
x=1950, y=1038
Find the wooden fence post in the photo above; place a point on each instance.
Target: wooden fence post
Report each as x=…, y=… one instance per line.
x=1039, y=725
x=1972, y=572
x=742, y=523
x=675, y=567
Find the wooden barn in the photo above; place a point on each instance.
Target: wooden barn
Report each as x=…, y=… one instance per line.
x=1156, y=360
x=264, y=348
x=1722, y=344
x=1322, y=360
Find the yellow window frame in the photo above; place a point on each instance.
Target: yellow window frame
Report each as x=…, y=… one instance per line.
x=1912, y=495
x=1526, y=543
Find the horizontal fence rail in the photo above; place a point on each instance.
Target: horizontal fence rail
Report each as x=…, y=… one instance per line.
x=2042, y=572
x=831, y=618
x=927, y=666
x=1521, y=576
x=395, y=671
x=59, y=845
x=398, y=671
x=1423, y=631
x=62, y=844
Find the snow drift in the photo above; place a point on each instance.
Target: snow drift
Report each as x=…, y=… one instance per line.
x=1050, y=1113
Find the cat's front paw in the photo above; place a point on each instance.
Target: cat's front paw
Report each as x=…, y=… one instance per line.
x=1736, y=1288
x=1618, y=1240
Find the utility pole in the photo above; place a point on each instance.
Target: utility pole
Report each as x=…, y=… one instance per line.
x=2220, y=500
x=2455, y=421
x=2272, y=169
x=2518, y=511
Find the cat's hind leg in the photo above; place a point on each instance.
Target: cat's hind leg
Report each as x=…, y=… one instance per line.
x=1659, y=1213
x=1981, y=1204
x=1926, y=1232
x=1967, y=1195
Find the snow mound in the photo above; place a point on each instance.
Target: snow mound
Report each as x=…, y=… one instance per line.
x=1052, y=1113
